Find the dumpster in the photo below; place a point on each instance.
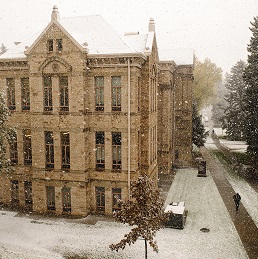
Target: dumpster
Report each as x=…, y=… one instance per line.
x=202, y=169
x=176, y=215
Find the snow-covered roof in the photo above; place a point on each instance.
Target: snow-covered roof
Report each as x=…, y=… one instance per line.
x=98, y=35
x=179, y=56
x=92, y=32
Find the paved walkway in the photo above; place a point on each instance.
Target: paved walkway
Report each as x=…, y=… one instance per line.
x=244, y=224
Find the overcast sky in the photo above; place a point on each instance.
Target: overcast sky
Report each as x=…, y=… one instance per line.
x=215, y=29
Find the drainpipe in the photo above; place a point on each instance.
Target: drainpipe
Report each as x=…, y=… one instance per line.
x=129, y=128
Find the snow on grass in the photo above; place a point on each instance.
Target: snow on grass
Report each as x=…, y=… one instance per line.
x=29, y=238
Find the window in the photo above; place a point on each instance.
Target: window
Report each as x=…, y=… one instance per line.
x=27, y=147
x=50, y=45
x=176, y=154
x=48, y=104
x=25, y=94
x=100, y=199
x=66, y=199
x=139, y=94
x=116, y=150
x=116, y=93
x=28, y=192
x=65, y=147
x=100, y=150
x=49, y=144
x=14, y=151
x=99, y=93
x=14, y=192
x=64, y=96
x=50, y=197
x=10, y=94
x=59, y=44
x=116, y=196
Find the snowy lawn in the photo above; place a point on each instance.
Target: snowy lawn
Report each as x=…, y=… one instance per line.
x=29, y=237
x=234, y=146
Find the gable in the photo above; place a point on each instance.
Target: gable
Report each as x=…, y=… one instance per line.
x=53, y=31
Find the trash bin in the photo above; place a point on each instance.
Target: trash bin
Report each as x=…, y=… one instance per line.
x=176, y=215
x=202, y=169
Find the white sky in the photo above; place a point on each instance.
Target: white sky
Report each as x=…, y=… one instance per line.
x=216, y=29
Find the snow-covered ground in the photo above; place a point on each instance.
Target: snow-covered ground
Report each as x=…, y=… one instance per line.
x=29, y=237
x=249, y=196
x=233, y=146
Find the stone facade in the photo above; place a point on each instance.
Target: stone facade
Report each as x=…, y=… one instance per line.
x=76, y=154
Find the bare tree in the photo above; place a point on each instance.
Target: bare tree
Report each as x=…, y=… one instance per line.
x=144, y=212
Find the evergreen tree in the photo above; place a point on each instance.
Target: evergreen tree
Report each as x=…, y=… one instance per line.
x=250, y=100
x=199, y=134
x=3, y=49
x=144, y=211
x=234, y=114
x=6, y=135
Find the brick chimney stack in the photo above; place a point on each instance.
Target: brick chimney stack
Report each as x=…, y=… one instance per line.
x=151, y=25
x=55, y=14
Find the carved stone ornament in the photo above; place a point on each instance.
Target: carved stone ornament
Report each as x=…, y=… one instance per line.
x=55, y=67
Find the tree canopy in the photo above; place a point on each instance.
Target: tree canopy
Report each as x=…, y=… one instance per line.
x=6, y=135
x=206, y=76
x=233, y=118
x=250, y=99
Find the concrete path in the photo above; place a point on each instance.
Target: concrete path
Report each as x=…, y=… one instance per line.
x=244, y=224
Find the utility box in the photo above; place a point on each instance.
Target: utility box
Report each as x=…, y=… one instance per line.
x=202, y=169
x=176, y=215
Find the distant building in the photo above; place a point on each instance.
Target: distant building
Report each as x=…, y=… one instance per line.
x=81, y=138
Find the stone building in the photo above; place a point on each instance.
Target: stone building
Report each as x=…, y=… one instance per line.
x=91, y=110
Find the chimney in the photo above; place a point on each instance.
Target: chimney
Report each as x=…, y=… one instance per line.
x=55, y=14
x=151, y=25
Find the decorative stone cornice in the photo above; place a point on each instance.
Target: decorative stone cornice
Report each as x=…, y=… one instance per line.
x=115, y=61
x=13, y=65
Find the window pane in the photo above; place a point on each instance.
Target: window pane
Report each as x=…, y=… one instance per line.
x=14, y=150
x=100, y=199
x=65, y=149
x=100, y=149
x=59, y=44
x=50, y=197
x=116, y=193
x=116, y=93
x=50, y=45
x=64, y=95
x=116, y=150
x=25, y=94
x=100, y=137
x=48, y=105
x=66, y=199
x=10, y=93
x=27, y=147
x=99, y=81
x=15, y=191
x=99, y=93
x=116, y=138
x=49, y=146
x=116, y=81
x=28, y=192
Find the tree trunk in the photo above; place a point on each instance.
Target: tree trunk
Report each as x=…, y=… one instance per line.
x=146, y=249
